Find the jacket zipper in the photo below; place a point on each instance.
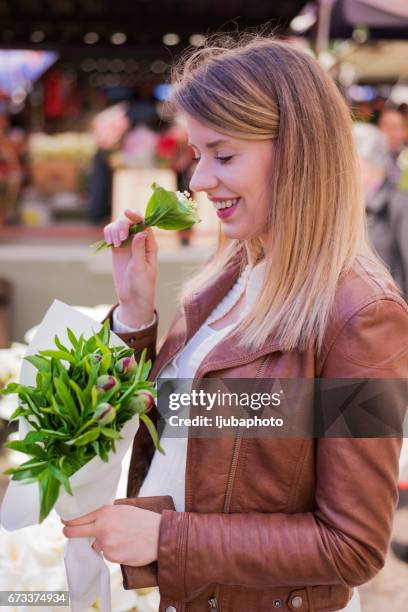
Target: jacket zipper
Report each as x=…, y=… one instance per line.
x=231, y=476
x=235, y=452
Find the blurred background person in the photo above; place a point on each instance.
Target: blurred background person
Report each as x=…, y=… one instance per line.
x=111, y=128
x=386, y=205
x=391, y=122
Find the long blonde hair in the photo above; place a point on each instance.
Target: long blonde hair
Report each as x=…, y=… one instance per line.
x=262, y=89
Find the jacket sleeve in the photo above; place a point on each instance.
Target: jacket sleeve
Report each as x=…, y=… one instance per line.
x=138, y=340
x=345, y=540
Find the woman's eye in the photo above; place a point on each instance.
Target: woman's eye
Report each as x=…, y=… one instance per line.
x=224, y=159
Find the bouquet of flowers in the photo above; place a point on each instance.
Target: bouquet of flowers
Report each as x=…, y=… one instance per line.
x=79, y=412
x=165, y=209
x=82, y=394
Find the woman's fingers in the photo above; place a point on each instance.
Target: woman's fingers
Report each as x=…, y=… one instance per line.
x=133, y=215
x=117, y=231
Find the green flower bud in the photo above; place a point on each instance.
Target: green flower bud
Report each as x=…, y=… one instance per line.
x=141, y=402
x=105, y=383
x=126, y=366
x=104, y=413
x=94, y=358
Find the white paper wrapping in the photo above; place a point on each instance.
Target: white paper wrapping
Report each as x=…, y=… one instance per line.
x=93, y=486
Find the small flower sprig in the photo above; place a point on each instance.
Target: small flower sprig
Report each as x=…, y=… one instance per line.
x=77, y=412
x=169, y=210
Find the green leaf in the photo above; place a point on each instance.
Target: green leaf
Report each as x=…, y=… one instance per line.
x=59, y=475
x=104, y=332
x=31, y=464
x=42, y=364
x=56, y=434
x=12, y=388
x=153, y=432
x=78, y=350
x=66, y=398
x=61, y=372
x=18, y=412
x=72, y=338
x=60, y=411
x=79, y=394
x=93, y=375
x=110, y=433
x=107, y=355
x=58, y=343
x=94, y=396
x=141, y=364
x=90, y=345
x=29, y=474
x=87, y=424
x=49, y=490
x=122, y=352
x=59, y=355
x=28, y=449
x=34, y=424
x=146, y=370
x=34, y=436
x=86, y=438
x=34, y=408
x=103, y=453
x=69, y=464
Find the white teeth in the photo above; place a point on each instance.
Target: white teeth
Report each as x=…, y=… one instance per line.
x=225, y=204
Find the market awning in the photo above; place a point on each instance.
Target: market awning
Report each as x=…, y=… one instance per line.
x=136, y=24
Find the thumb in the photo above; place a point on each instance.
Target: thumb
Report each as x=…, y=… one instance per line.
x=139, y=245
x=151, y=245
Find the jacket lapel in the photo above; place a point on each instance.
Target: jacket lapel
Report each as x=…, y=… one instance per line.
x=196, y=310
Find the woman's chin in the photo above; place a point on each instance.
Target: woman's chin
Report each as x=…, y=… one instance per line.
x=235, y=233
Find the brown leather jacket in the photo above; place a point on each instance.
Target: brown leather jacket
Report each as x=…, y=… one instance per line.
x=281, y=523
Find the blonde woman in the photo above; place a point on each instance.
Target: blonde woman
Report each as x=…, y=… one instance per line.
x=293, y=291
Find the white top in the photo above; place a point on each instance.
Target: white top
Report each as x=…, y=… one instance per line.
x=166, y=475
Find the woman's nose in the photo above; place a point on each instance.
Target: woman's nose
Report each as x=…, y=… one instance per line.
x=202, y=179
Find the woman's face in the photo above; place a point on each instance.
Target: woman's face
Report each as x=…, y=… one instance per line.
x=235, y=174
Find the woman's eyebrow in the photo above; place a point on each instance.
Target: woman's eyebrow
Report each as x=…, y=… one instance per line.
x=211, y=145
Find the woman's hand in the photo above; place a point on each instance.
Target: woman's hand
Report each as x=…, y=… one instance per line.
x=124, y=534
x=134, y=269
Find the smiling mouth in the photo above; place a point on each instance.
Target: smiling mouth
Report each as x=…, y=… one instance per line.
x=225, y=203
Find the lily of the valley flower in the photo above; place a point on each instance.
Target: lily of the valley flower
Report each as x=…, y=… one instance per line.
x=169, y=210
